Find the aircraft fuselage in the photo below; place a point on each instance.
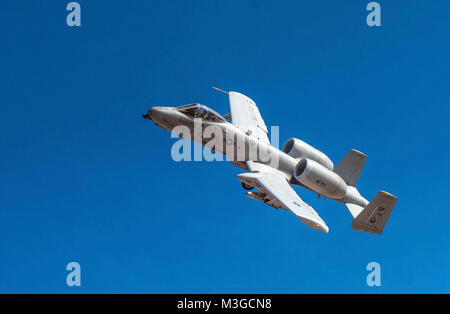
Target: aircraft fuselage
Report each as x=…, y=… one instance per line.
x=238, y=146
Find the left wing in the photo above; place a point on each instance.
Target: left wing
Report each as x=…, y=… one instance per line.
x=245, y=115
x=276, y=185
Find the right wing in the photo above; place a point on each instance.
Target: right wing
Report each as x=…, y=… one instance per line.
x=245, y=115
x=275, y=184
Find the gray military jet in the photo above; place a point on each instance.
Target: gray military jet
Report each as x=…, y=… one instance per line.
x=241, y=135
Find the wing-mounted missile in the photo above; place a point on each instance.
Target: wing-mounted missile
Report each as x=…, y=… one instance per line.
x=262, y=196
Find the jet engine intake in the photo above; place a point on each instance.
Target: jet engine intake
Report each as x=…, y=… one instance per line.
x=299, y=149
x=320, y=179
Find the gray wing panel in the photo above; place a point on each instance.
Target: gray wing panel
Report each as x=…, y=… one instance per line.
x=277, y=186
x=246, y=116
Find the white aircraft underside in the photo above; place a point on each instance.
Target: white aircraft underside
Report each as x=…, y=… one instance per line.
x=297, y=163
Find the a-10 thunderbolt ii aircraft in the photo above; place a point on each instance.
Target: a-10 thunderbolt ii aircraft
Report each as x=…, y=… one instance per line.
x=297, y=163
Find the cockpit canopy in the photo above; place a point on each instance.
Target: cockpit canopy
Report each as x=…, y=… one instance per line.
x=201, y=112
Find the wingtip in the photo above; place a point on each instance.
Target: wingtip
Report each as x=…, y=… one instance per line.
x=324, y=229
x=317, y=225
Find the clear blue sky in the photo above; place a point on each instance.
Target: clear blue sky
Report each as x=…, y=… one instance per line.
x=84, y=178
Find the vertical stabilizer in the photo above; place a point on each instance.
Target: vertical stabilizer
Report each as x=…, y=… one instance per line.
x=350, y=167
x=373, y=217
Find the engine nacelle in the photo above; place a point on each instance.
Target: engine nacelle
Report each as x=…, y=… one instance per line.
x=299, y=149
x=320, y=179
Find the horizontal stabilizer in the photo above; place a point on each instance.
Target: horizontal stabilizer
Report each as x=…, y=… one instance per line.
x=350, y=167
x=374, y=216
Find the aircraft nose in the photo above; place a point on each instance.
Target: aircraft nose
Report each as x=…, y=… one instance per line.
x=147, y=115
x=155, y=113
x=151, y=113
